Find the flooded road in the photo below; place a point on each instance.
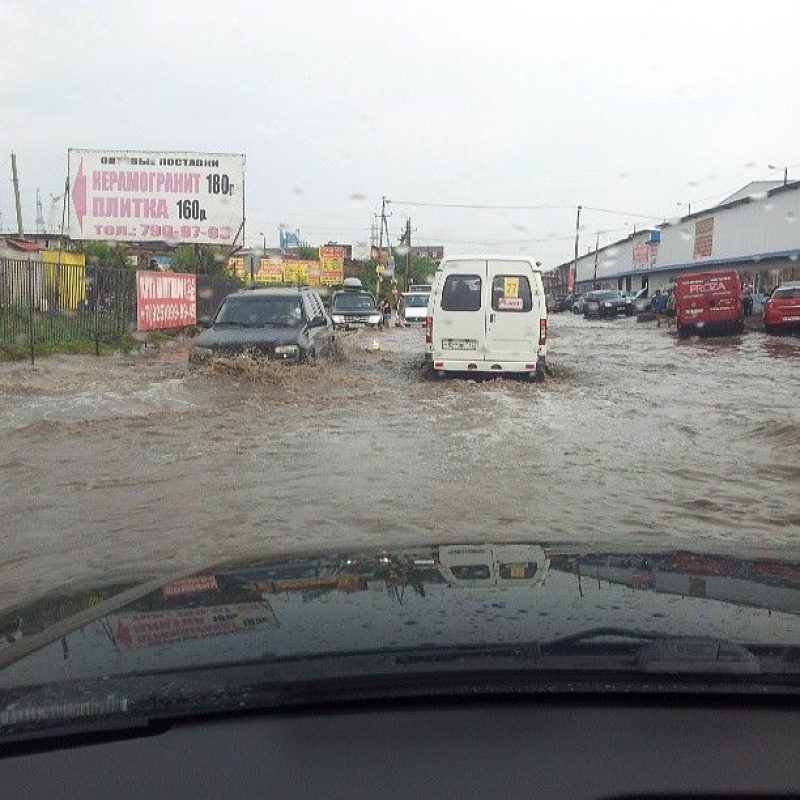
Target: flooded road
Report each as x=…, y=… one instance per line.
x=133, y=464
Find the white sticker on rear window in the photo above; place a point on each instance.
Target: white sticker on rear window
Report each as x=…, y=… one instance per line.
x=509, y=303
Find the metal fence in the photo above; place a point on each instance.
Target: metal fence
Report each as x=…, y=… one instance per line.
x=211, y=291
x=43, y=303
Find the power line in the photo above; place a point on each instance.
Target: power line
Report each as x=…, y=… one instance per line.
x=477, y=206
x=535, y=207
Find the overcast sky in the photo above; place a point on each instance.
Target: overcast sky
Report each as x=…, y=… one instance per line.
x=632, y=107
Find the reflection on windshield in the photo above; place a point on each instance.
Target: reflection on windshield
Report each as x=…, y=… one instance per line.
x=254, y=312
x=352, y=301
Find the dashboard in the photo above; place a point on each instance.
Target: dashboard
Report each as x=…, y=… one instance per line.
x=575, y=749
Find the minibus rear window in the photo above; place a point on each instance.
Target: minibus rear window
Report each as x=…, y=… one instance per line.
x=511, y=293
x=461, y=293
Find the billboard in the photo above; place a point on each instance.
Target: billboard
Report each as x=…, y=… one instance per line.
x=703, y=237
x=331, y=261
x=165, y=300
x=136, y=630
x=146, y=196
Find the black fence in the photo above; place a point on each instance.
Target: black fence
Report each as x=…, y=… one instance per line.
x=211, y=291
x=43, y=303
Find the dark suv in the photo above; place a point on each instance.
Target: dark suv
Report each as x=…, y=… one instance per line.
x=605, y=304
x=282, y=324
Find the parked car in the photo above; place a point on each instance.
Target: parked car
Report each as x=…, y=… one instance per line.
x=708, y=302
x=603, y=303
x=782, y=309
x=416, y=307
x=288, y=325
x=487, y=315
x=566, y=302
x=551, y=303
x=353, y=307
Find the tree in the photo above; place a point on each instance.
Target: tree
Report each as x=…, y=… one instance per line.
x=205, y=260
x=104, y=255
x=307, y=252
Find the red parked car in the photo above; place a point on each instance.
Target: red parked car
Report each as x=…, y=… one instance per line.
x=782, y=310
x=709, y=302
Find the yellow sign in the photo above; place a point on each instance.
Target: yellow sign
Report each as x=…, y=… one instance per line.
x=270, y=270
x=511, y=287
x=331, y=259
x=297, y=272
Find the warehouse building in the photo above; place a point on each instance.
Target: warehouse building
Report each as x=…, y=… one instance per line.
x=756, y=231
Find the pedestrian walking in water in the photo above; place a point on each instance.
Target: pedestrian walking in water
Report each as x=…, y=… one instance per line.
x=400, y=320
x=386, y=311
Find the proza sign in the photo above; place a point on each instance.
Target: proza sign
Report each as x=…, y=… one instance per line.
x=134, y=196
x=715, y=286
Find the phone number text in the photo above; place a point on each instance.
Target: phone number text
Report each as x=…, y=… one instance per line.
x=166, y=231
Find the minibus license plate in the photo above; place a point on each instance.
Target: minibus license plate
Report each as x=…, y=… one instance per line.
x=459, y=344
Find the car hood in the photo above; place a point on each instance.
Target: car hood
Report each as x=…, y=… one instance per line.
x=393, y=611
x=223, y=338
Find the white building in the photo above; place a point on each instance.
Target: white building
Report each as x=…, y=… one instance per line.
x=756, y=231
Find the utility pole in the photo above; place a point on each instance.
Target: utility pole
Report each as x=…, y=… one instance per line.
x=407, y=239
x=577, y=236
x=596, y=248
x=384, y=225
x=39, y=213
x=15, y=180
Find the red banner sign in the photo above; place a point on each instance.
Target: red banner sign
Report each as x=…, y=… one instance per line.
x=165, y=300
x=190, y=585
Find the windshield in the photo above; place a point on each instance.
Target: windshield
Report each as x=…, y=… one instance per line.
x=255, y=312
x=785, y=294
x=314, y=349
x=353, y=301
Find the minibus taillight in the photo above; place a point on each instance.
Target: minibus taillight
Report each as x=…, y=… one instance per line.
x=542, y=331
x=428, y=330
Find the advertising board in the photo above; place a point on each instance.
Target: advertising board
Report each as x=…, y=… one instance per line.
x=165, y=300
x=147, y=196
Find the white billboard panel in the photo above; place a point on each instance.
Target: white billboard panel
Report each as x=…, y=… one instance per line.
x=146, y=196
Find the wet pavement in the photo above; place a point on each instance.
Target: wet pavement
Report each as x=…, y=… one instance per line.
x=131, y=464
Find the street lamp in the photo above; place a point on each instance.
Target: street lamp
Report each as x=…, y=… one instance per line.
x=263, y=242
x=785, y=172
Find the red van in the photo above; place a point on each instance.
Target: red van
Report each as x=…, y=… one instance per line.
x=709, y=302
